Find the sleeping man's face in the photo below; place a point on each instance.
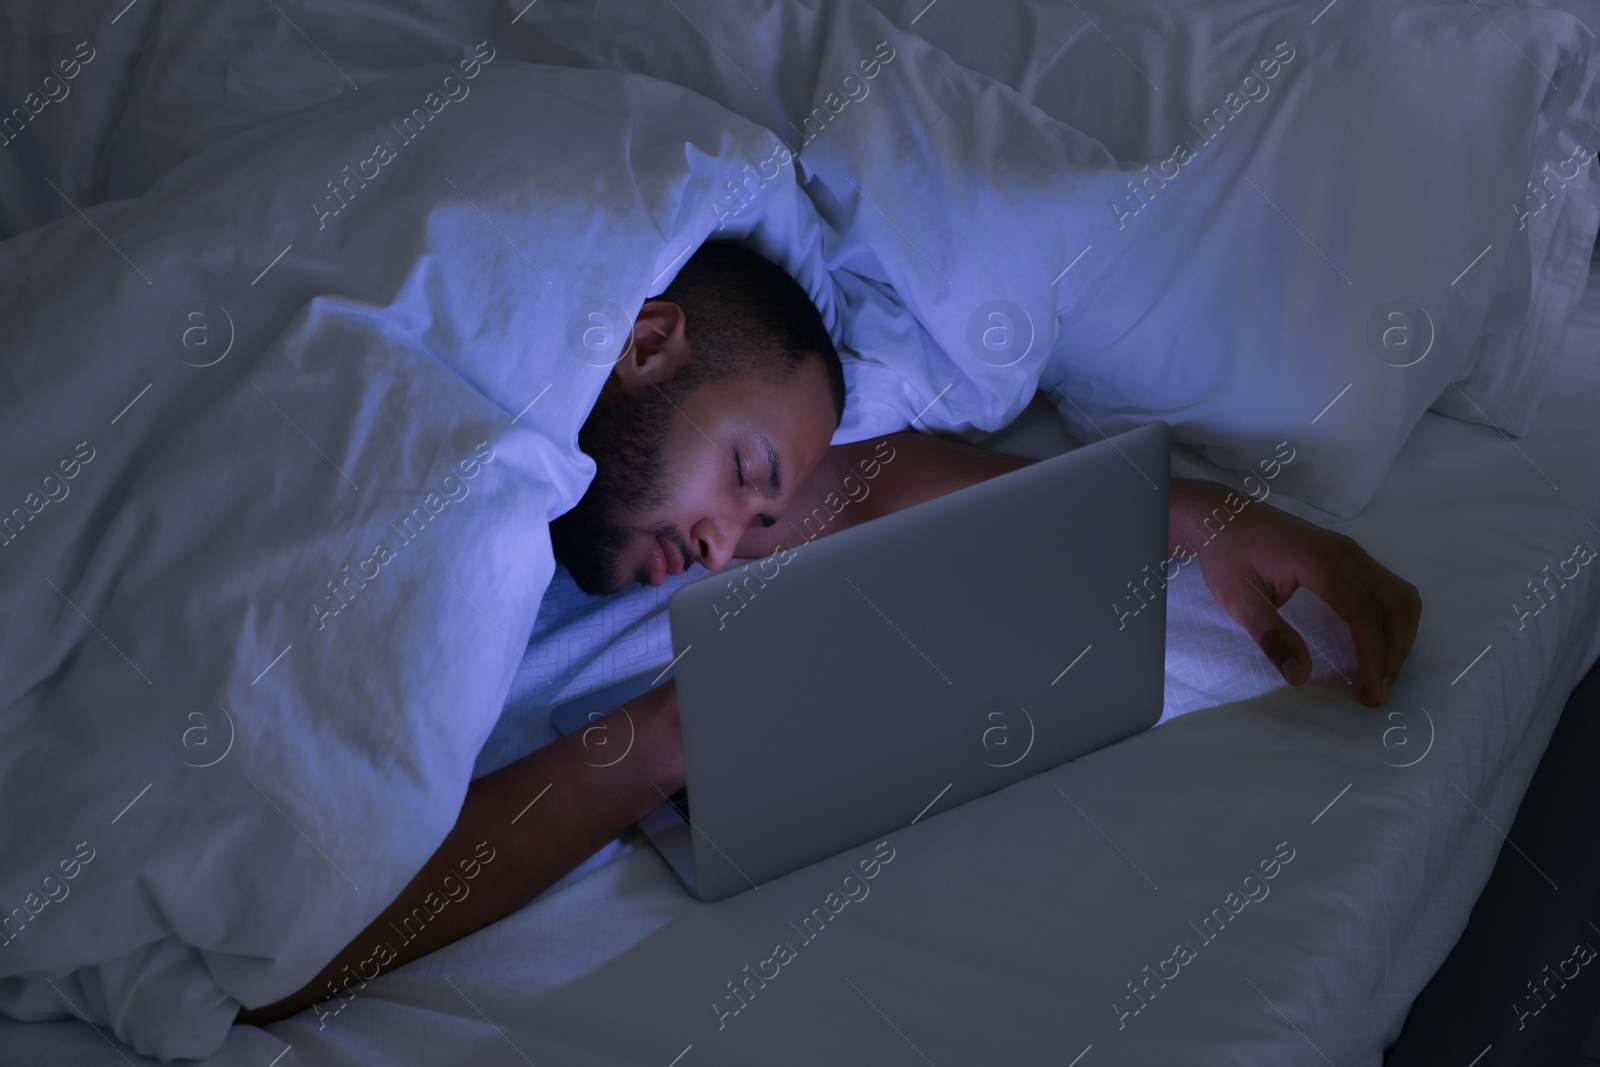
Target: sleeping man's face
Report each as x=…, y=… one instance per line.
x=680, y=478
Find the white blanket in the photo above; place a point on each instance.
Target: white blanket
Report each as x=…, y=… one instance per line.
x=1304, y=192
x=282, y=439
x=295, y=538
x=1288, y=262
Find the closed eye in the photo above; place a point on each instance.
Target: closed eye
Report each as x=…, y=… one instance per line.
x=738, y=466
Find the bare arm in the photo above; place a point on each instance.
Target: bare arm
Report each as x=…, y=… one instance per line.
x=884, y=474
x=1252, y=566
x=503, y=852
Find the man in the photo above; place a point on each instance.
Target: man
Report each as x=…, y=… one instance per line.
x=711, y=442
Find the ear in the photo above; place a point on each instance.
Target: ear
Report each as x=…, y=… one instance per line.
x=658, y=348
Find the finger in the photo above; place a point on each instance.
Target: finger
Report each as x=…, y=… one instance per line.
x=1352, y=602
x=1256, y=611
x=1400, y=606
x=1405, y=614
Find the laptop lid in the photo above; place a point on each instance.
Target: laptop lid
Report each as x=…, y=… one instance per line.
x=893, y=669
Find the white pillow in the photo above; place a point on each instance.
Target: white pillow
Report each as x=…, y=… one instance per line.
x=1385, y=156
x=1319, y=265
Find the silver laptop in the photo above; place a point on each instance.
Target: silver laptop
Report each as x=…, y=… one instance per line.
x=895, y=669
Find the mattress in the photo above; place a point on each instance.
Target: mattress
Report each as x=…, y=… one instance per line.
x=1267, y=876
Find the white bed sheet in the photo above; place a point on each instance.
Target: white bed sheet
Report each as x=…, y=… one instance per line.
x=1007, y=929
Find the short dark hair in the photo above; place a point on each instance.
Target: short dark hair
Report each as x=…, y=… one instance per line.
x=744, y=314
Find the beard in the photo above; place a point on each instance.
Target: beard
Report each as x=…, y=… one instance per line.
x=624, y=437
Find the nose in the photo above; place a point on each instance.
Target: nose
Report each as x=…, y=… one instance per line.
x=714, y=548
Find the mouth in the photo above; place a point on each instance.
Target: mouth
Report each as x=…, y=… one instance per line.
x=665, y=559
x=677, y=562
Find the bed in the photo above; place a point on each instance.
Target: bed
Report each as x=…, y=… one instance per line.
x=1270, y=875
x=1389, y=815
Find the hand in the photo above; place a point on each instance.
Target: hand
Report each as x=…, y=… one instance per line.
x=1257, y=561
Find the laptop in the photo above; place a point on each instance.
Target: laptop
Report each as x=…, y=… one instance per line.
x=876, y=676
